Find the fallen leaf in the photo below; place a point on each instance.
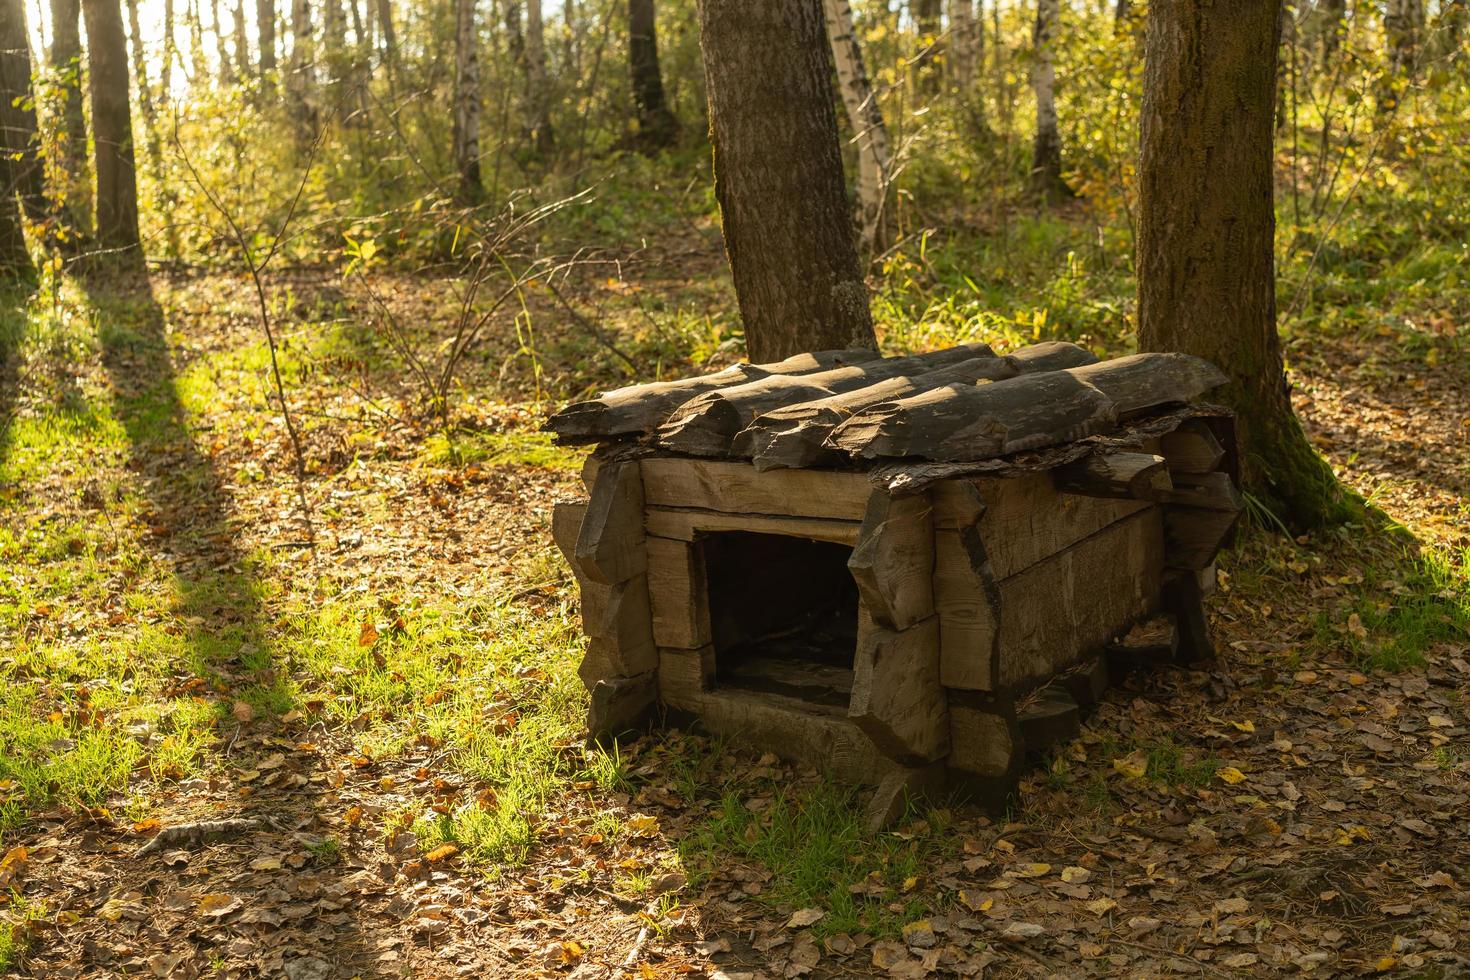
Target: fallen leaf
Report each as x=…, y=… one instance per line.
x=642, y=825
x=1074, y=875
x=243, y=712
x=1133, y=765
x=218, y=904
x=1230, y=774
x=802, y=918
x=1101, y=906
x=441, y=853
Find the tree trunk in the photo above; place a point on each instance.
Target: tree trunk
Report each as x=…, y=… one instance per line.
x=1206, y=275
x=75, y=198
x=153, y=143
x=265, y=37
x=221, y=45
x=870, y=133
x=467, y=101
x=1046, y=154
x=112, y=126
x=18, y=112
x=778, y=177
x=167, y=55
x=1331, y=14
x=657, y=127
x=334, y=47
x=390, y=37
x=301, y=71
x=1403, y=28
x=926, y=24
x=243, y=65
x=962, y=44
x=536, y=81
x=15, y=260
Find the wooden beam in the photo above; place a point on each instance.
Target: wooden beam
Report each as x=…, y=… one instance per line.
x=620, y=705
x=987, y=752
x=677, y=592
x=1136, y=476
x=739, y=488
x=896, y=695
x=893, y=561
x=967, y=600
x=610, y=542
x=685, y=676
x=688, y=524
x=1192, y=448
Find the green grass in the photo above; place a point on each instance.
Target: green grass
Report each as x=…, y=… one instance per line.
x=514, y=448
x=15, y=930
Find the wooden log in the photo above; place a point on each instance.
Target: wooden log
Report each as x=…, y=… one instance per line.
x=896, y=695
x=893, y=561
x=620, y=705
x=903, y=791
x=610, y=541
x=1050, y=719
x=566, y=524
x=1181, y=598
x=707, y=425
x=621, y=638
x=1087, y=683
x=967, y=600
x=738, y=488
x=1139, y=476
x=987, y=751
x=961, y=423
x=1150, y=642
x=641, y=408
x=1200, y=519
x=818, y=736
x=677, y=593
x=1192, y=448
x=795, y=435
x=687, y=524
x=685, y=676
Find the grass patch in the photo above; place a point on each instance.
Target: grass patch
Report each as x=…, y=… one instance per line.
x=514, y=448
x=814, y=845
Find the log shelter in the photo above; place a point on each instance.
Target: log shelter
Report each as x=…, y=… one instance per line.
x=911, y=572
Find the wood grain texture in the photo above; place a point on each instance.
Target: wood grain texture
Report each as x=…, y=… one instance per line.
x=610, y=541
x=792, y=729
x=1192, y=448
x=893, y=561
x=896, y=695
x=685, y=676
x=620, y=705
x=739, y=488
x=1126, y=476
x=677, y=593
x=967, y=600
x=686, y=525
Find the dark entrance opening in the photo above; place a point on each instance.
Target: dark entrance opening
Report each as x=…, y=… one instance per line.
x=784, y=614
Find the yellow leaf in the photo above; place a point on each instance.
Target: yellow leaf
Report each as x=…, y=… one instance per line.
x=1246, y=726
x=1231, y=775
x=1076, y=876
x=974, y=902
x=441, y=853
x=1133, y=765
x=1385, y=964
x=1031, y=870
x=642, y=825
x=266, y=864
x=572, y=951
x=1101, y=906
x=353, y=816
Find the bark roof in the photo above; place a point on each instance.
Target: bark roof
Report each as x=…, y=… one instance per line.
x=951, y=408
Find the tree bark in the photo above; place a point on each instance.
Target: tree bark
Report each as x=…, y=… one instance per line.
x=1206, y=275
x=537, y=84
x=301, y=71
x=243, y=64
x=963, y=43
x=112, y=126
x=1331, y=14
x=874, y=158
x=390, y=37
x=1046, y=154
x=221, y=45
x=18, y=112
x=265, y=37
x=926, y=24
x=15, y=260
x=467, y=101
x=75, y=198
x=657, y=127
x=778, y=177
x=167, y=55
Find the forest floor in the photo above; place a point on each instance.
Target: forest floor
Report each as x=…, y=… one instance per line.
x=390, y=698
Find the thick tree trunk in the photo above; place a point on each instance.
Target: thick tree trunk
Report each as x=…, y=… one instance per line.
x=1206, y=275
x=265, y=36
x=467, y=101
x=75, y=198
x=18, y=111
x=657, y=127
x=1046, y=154
x=963, y=44
x=15, y=261
x=112, y=126
x=778, y=177
x=870, y=133
x=537, y=84
x=390, y=37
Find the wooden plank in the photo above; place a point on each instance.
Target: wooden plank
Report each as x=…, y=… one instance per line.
x=967, y=599
x=896, y=695
x=902, y=791
x=1062, y=609
x=610, y=542
x=1027, y=519
x=1052, y=717
x=893, y=561
x=685, y=676
x=620, y=705
x=795, y=435
x=962, y=423
x=1136, y=476
x=985, y=741
x=1192, y=448
x=1193, y=536
x=677, y=593
x=707, y=425
x=640, y=408
x=820, y=737
x=687, y=524
x=739, y=488
x=623, y=643
x=566, y=522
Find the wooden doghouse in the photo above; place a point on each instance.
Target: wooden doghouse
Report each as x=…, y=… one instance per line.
x=901, y=570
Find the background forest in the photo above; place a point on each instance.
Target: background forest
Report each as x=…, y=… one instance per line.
x=288, y=293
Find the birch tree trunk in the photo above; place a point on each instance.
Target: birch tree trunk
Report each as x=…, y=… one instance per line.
x=1046, y=155
x=657, y=127
x=536, y=81
x=1206, y=274
x=865, y=116
x=112, y=126
x=18, y=113
x=65, y=59
x=467, y=101
x=778, y=177
x=167, y=55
